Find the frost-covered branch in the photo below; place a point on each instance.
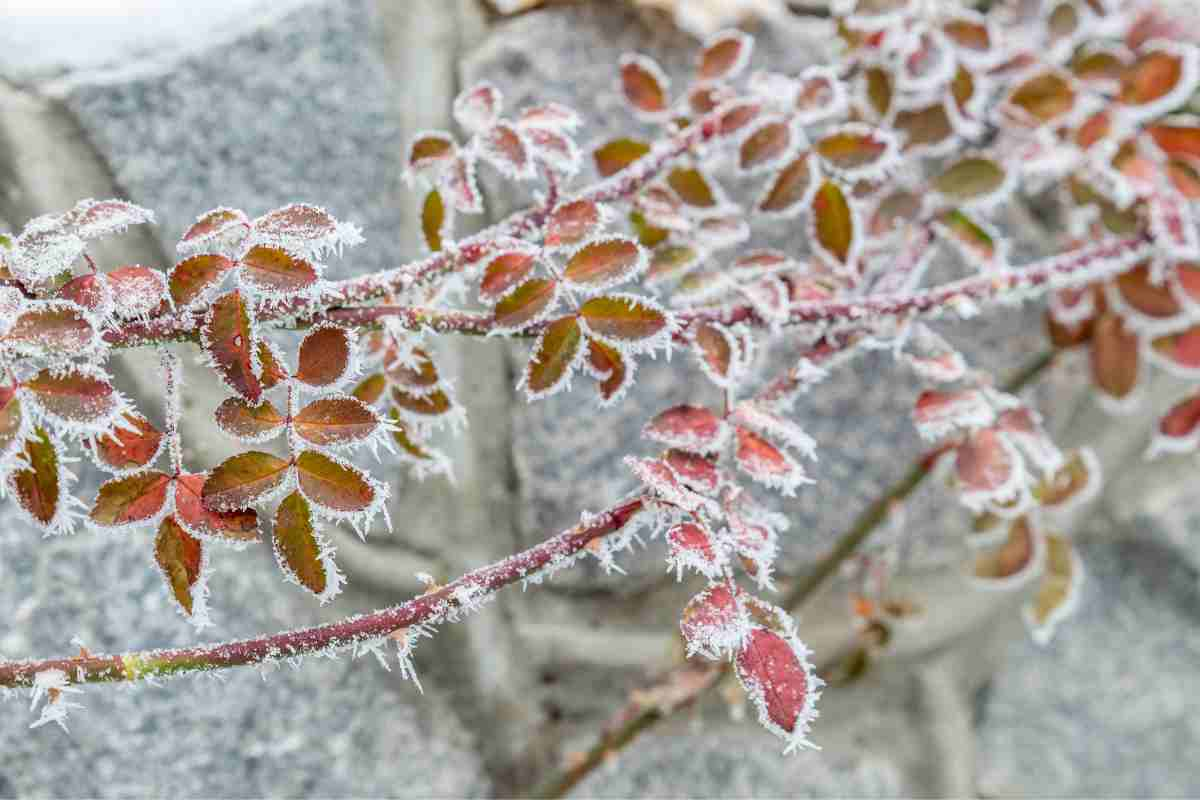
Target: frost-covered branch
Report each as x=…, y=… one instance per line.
x=438, y=605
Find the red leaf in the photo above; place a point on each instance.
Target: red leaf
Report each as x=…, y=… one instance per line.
x=553, y=358
x=571, y=223
x=336, y=421
x=370, y=388
x=325, y=355
x=792, y=187
x=525, y=304
x=1044, y=97
x=766, y=463
x=698, y=472
x=89, y=291
x=296, y=546
x=430, y=404
x=137, y=291
x=122, y=448
x=691, y=546
x=273, y=269
x=554, y=116
x=769, y=143
x=693, y=428
x=505, y=271
x=778, y=681
x=461, y=187
x=644, y=84
x=506, y=148
x=477, y=108
x=332, y=485
x=238, y=526
x=75, y=397
x=710, y=622
x=251, y=423
x=423, y=376
x=1155, y=75
x=273, y=372
x=180, y=557
x=430, y=152
x=129, y=500
x=725, y=54
x=984, y=463
x=241, y=481
x=624, y=319
x=215, y=225
x=54, y=328
x=94, y=218
x=192, y=277
x=297, y=222
x=228, y=337
x=604, y=263
x=610, y=367
x=716, y=350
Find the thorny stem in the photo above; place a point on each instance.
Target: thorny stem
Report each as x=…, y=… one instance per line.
x=431, y=608
x=638, y=717
x=1066, y=269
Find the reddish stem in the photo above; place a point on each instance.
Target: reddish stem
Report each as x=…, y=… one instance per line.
x=432, y=607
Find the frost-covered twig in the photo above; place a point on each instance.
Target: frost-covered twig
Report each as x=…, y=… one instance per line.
x=444, y=601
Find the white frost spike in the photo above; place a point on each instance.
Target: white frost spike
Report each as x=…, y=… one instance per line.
x=51, y=685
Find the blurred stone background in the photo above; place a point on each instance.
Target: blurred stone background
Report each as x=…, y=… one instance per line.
x=254, y=104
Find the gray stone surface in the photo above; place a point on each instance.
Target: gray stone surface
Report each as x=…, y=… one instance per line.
x=314, y=105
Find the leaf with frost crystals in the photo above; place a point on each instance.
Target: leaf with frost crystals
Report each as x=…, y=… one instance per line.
x=770, y=143
x=1059, y=591
x=52, y=685
x=618, y=154
x=1179, y=429
x=326, y=356
x=92, y=219
x=528, y=303
x=306, y=230
x=13, y=421
x=336, y=421
x=644, y=85
x=79, y=399
x=717, y=351
x=858, y=152
x=53, y=328
x=604, y=263
x=243, y=480
x=555, y=355
x=781, y=683
x=627, y=322
x=215, y=231
x=659, y=478
x=695, y=471
x=1013, y=562
x=989, y=468
x=275, y=270
x=572, y=223
x=230, y=340
x=249, y=422
x=434, y=221
x=691, y=546
x=767, y=464
x=334, y=486
x=131, y=500
x=193, y=279
x=137, y=291
x=724, y=55
x=37, y=484
x=938, y=414
x=836, y=225
x=507, y=150
x=711, y=623
x=181, y=559
x=506, y=270
x=693, y=428
x=227, y=526
x=295, y=543
x=430, y=152
x=612, y=368
x=478, y=108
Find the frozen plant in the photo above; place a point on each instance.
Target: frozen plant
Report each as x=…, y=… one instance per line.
x=933, y=119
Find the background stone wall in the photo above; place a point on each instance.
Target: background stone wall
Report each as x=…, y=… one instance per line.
x=313, y=102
